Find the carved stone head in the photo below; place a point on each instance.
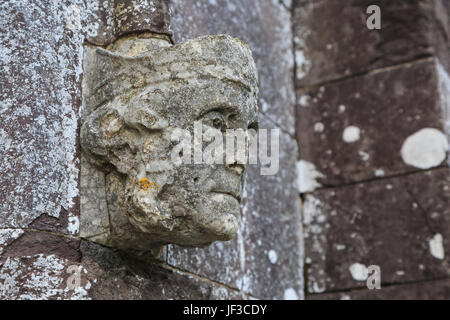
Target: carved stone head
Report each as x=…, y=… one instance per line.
x=138, y=102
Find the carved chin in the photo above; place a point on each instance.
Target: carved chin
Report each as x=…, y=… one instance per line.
x=215, y=217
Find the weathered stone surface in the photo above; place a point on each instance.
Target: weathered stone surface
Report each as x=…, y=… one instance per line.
x=439, y=11
x=427, y=290
x=7, y=236
x=386, y=223
x=444, y=94
x=103, y=274
x=115, y=18
x=431, y=192
x=40, y=97
x=114, y=275
x=39, y=277
x=332, y=40
x=371, y=126
x=143, y=128
x=220, y=262
x=94, y=216
x=265, y=26
x=272, y=235
x=33, y=265
x=265, y=258
x=31, y=243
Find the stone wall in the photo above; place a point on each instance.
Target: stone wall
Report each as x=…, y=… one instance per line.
x=372, y=122
x=42, y=255
x=364, y=121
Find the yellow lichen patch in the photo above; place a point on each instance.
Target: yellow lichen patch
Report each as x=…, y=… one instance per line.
x=146, y=185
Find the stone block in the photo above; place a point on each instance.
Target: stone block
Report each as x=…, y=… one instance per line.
x=100, y=274
x=399, y=224
x=40, y=99
x=332, y=40
x=427, y=290
x=115, y=275
x=371, y=126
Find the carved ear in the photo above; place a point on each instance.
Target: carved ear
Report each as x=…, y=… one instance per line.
x=107, y=140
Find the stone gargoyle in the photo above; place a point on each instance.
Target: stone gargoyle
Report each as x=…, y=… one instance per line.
x=140, y=90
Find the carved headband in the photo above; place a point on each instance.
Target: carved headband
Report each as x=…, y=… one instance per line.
x=221, y=57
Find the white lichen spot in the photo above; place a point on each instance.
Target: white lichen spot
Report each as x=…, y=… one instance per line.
x=290, y=294
x=444, y=93
x=342, y=108
x=359, y=272
x=273, y=257
x=307, y=176
x=302, y=63
x=425, y=149
x=319, y=127
x=437, y=246
x=351, y=134
x=379, y=173
x=340, y=247
x=304, y=100
x=317, y=288
x=264, y=106
x=74, y=225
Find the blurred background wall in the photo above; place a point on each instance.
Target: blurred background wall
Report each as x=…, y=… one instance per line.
x=372, y=111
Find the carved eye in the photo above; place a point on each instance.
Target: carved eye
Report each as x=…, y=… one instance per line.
x=215, y=120
x=217, y=123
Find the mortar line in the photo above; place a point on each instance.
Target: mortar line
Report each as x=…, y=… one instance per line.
x=162, y=264
x=408, y=63
x=399, y=175
x=279, y=126
x=383, y=285
x=44, y=231
x=198, y=277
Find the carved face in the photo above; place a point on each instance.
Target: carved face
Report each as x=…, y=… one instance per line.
x=133, y=136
